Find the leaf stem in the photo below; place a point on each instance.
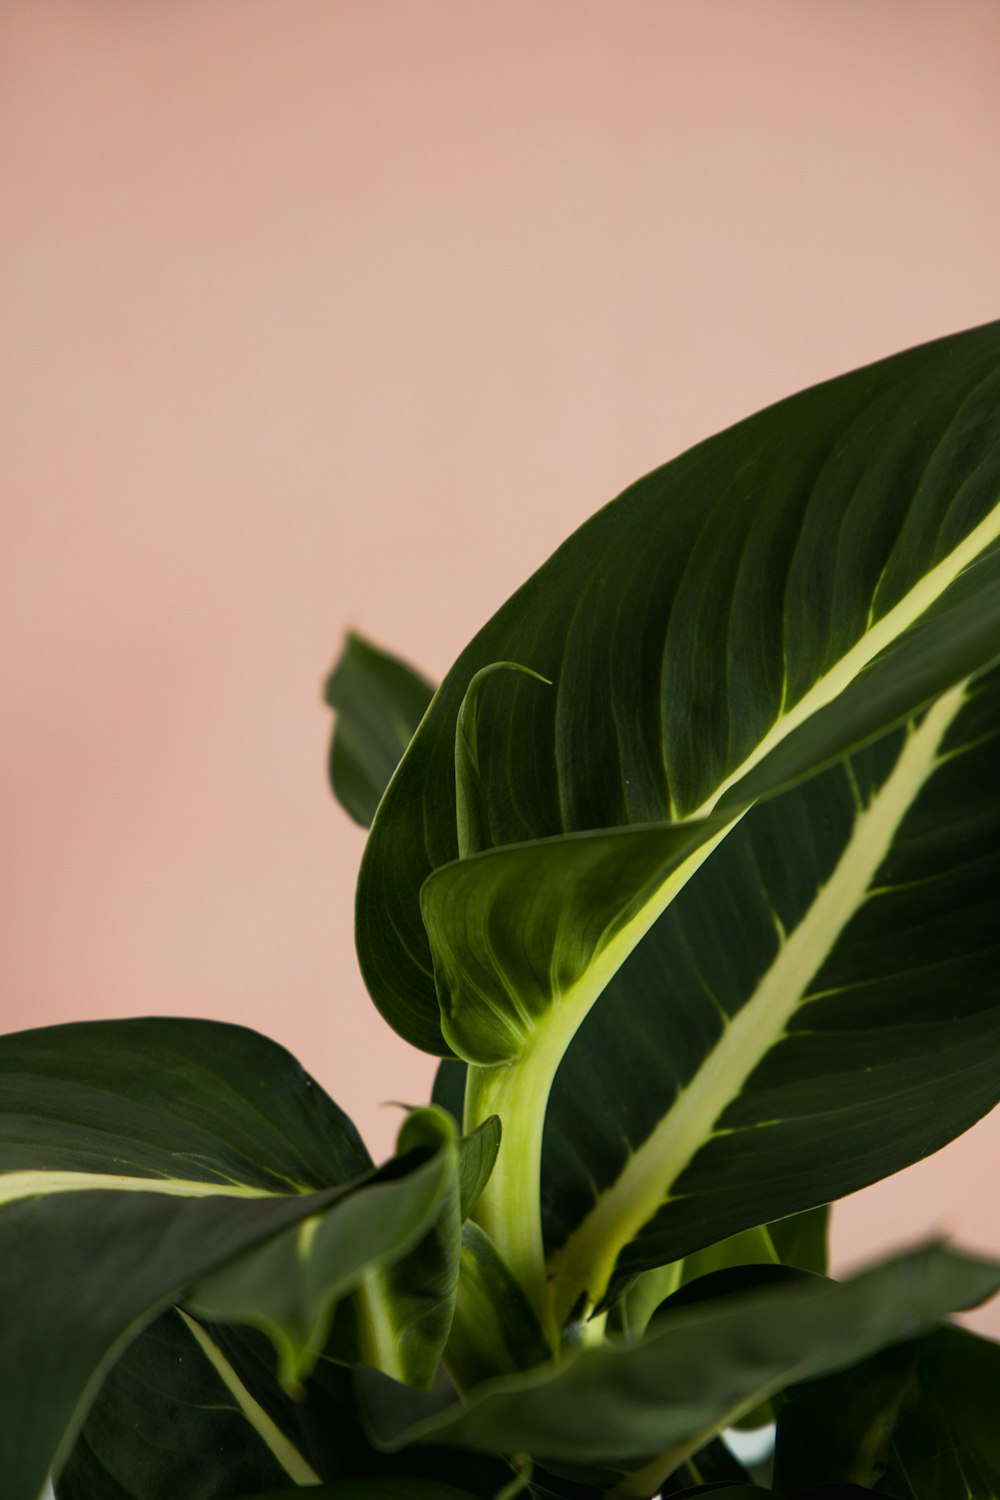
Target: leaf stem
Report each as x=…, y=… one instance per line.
x=509, y=1209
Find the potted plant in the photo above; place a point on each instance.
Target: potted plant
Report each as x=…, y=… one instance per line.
x=689, y=873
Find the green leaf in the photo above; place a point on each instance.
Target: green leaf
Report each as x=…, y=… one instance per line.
x=766, y=602
x=166, y=1420
x=472, y=815
x=802, y=1239
x=394, y=1244
x=652, y=1404
x=816, y=1009
x=519, y=931
x=838, y=1430
x=325, y=1426
x=821, y=581
x=135, y=1157
x=477, y=1154
x=449, y=1087
x=799, y=1241
x=379, y=702
x=495, y=1330
x=946, y=1445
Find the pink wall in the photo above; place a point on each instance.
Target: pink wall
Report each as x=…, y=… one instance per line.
x=330, y=312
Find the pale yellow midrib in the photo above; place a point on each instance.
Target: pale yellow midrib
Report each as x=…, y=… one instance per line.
x=889, y=628
x=586, y=1260
x=41, y=1184
x=509, y=1208
x=379, y=1334
x=288, y=1456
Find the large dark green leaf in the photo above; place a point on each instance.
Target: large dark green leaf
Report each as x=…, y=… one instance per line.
x=760, y=605
x=822, y=579
x=649, y=1405
x=135, y=1157
x=815, y=1009
x=379, y=702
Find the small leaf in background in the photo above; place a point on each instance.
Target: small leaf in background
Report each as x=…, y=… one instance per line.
x=802, y=1239
x=379, y=702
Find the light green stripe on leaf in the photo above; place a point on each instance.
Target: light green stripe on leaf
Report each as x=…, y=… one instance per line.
x=288, y=1456
x=732, y=624
x=881, y=634
x=585, y=1262
x=38, y=1184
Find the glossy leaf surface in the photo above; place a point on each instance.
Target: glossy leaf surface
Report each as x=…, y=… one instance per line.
x=379, y=702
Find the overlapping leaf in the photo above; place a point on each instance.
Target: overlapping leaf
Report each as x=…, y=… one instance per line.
x=136, y=1158
x=395, y=1247
x=648, y=1405
x=818, y=1007
x=918, y=1421
x=195, y=1411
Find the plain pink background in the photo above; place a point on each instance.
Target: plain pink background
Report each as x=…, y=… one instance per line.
x=317, y=313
